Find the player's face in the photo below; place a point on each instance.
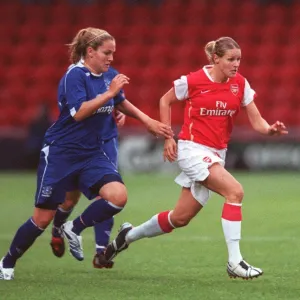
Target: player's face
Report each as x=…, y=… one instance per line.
x=230, y=62
x=102, y=57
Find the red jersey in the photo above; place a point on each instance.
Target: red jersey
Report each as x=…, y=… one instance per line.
x=211, y=107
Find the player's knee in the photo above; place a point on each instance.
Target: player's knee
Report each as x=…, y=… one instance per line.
x=114, y=192
x=43, y=217
x=237, y=194
x=179, y=220
x=119, y=198
x=68, y=204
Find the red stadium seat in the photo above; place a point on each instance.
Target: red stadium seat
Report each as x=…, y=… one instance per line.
x=6, y=58
x=62, y=14
x=275, y=14
x=222, y=13
x=190, y=34
x=25, y=54
x=159, y=54
x=22, y=73
x=266, y=54
x=35, y=14
x=141, y=15
x=277, y=113
x=53, y=53
x=59, y=33
x=197, y=13
x=135, y=51
x=287, y=54
x=11, y=13
x=247, y=12
x=287, y=74
x=47, y=75
x=171, y=13
x=31, y=33
x=10, y=31
x=42, y=93
x=272, y=33
x=244, y=33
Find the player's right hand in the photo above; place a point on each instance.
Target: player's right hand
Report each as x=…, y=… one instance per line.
x=170, y=150
x=118, y=83
x=159, y=129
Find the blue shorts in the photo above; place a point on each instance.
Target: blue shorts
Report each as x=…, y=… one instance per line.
x=110, y=148
x=61, y=170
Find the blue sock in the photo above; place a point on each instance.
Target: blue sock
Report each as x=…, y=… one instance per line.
x=60, y=218
x=97, y=212
x=24, y=238
x=102, y=234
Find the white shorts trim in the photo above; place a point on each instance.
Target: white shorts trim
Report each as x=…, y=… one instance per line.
x=194, y=161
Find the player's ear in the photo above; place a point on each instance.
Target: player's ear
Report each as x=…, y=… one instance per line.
x=216, y=59
x=89, y=51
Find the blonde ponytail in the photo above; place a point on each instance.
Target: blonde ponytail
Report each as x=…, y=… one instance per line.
x=210, y=50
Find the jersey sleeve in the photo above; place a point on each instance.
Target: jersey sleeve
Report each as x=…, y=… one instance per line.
x=181, y=88
x=249, y=94
x=120, y=97
x=75, y=90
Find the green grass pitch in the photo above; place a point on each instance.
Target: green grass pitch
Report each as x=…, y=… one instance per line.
x=187, y=264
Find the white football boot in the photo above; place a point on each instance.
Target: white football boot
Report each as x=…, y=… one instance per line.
x=6, y=273
x=74, y=240
x=243, y=270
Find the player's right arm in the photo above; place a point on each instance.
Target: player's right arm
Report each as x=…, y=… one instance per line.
x=170, y=147
x=76, y=95
x=177, y=93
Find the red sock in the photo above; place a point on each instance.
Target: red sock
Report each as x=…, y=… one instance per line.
x=232, y=212
x=163, y=221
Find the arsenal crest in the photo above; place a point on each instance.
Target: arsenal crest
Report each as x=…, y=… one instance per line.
x=234, y=89
x=207, y=159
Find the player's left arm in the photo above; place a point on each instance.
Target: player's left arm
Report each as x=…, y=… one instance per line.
x=153, y=126
x=120, y=118
x=260, y=125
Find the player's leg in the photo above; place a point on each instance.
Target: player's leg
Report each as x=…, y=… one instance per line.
x=102, y=235
x=113, y=199
x=49, y=194
x=23, y=239
x=102, y=179
x=45, y=207
x=62, y=213
x=223, y=183
x=186, y=208
x=103, y=229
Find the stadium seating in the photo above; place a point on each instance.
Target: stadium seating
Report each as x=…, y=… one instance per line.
x=155, y=45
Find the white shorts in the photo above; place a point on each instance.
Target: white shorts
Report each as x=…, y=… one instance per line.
x=194, y=160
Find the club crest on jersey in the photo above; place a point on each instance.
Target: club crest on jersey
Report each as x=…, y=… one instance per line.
x=207, y=159
x=107, y=83
x=234, y=89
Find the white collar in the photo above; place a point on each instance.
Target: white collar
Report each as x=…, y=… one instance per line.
x=205, y=69
x=81, y=64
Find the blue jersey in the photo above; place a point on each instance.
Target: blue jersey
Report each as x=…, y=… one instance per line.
x=76, y=86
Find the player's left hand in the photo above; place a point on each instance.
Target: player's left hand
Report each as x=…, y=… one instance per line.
x=170, y=150
x=278, y=128
x=120, y=118
x=159, y=129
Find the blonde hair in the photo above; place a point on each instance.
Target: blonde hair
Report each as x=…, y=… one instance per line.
x=88, y=37
x=219, y=47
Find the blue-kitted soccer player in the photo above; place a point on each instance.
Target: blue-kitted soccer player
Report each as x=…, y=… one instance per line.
x=70, y=159
x=102, y=230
